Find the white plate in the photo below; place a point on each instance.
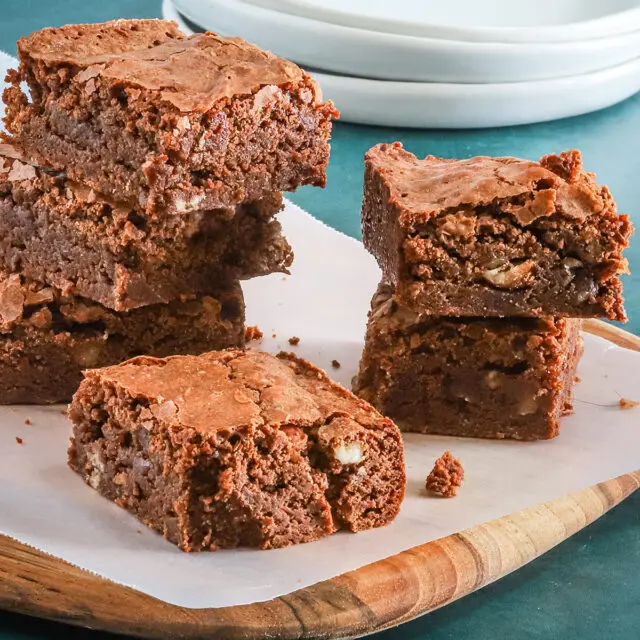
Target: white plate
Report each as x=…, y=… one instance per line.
x=371, y=54
x=460, y=106
x=475, y=20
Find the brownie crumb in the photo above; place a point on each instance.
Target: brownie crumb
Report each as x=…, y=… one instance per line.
x=253, y=333
x=625, y=403
x=139, y=532
x=294, y=341
x=335, y=364
x=19, y=440
x=446, y=476
x=273, y=335
x=28, y=421
x=577, y=379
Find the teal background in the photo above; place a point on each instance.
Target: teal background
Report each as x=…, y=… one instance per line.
x=588, y=588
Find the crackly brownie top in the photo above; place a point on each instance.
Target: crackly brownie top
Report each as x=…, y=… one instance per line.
x=82, y=44
x=223, y=390
x=190, y=73
x=423, y=188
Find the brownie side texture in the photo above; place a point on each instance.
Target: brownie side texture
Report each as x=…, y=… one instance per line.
x=236, y=448
x=141, y=113
x=55, y=231
x=48, y=338
x=484, y=378
x=495, y=236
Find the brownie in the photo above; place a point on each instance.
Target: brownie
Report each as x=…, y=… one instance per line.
x=141, y=113
x=476, y=377
x=55, y=231
x=495, y=236
x=236, y=448
x=47, y=338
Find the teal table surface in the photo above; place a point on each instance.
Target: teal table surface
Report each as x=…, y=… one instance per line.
x=588, y=588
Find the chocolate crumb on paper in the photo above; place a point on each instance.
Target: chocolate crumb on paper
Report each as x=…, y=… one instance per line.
x=446, y=476
x=335, y=364
x=28, y=421
x=19, y=440
x=625, y=403
x=294, y=341
x=253, y=333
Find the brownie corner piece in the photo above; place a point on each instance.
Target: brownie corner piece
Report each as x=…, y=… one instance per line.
x=495, y=236
x=236, y=448
x=146, y=115
x=474, y=377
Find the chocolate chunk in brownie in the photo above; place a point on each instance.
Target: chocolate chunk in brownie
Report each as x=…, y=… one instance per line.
x=477, y=377
x=446, y=476
x=58, y=232
x=495, y=236
x=236, y=448
x=47, y=338
x=141, y=113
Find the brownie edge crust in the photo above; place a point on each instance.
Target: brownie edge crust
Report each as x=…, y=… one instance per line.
x=236, y=448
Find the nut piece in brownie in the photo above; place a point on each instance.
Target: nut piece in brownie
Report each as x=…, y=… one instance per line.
x=141, y=113
x=495, y=236
x=48, y=338
x=55, y=231
x=236, y=448
x=476, y=377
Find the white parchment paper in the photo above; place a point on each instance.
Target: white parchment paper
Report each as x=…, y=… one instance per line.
x=324, y=302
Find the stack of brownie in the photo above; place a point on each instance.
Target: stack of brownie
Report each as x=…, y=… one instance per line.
x=489, y=264
x=139, y=184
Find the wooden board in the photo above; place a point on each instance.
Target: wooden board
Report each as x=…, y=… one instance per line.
x=372, y=598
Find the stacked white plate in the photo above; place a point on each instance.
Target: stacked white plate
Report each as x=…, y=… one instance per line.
x=457, y=64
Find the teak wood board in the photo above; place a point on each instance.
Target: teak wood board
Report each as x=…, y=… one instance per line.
x=372, y=598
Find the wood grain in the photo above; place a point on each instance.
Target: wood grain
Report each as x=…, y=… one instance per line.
x=372, y=598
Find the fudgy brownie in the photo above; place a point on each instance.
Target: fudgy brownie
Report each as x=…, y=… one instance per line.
x=55, y=231
x=495, y=236
x=47, y=338
x=236, y=448
x=477, y=377
x=138, y=111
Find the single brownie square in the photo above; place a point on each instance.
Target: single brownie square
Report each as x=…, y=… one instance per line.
x=141, y=113
x=55, y=231
x=495, y=236
x=236, y=448
x=476, y=377
x=47, y=338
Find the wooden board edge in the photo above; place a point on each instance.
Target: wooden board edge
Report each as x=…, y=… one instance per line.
x=372, y=598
